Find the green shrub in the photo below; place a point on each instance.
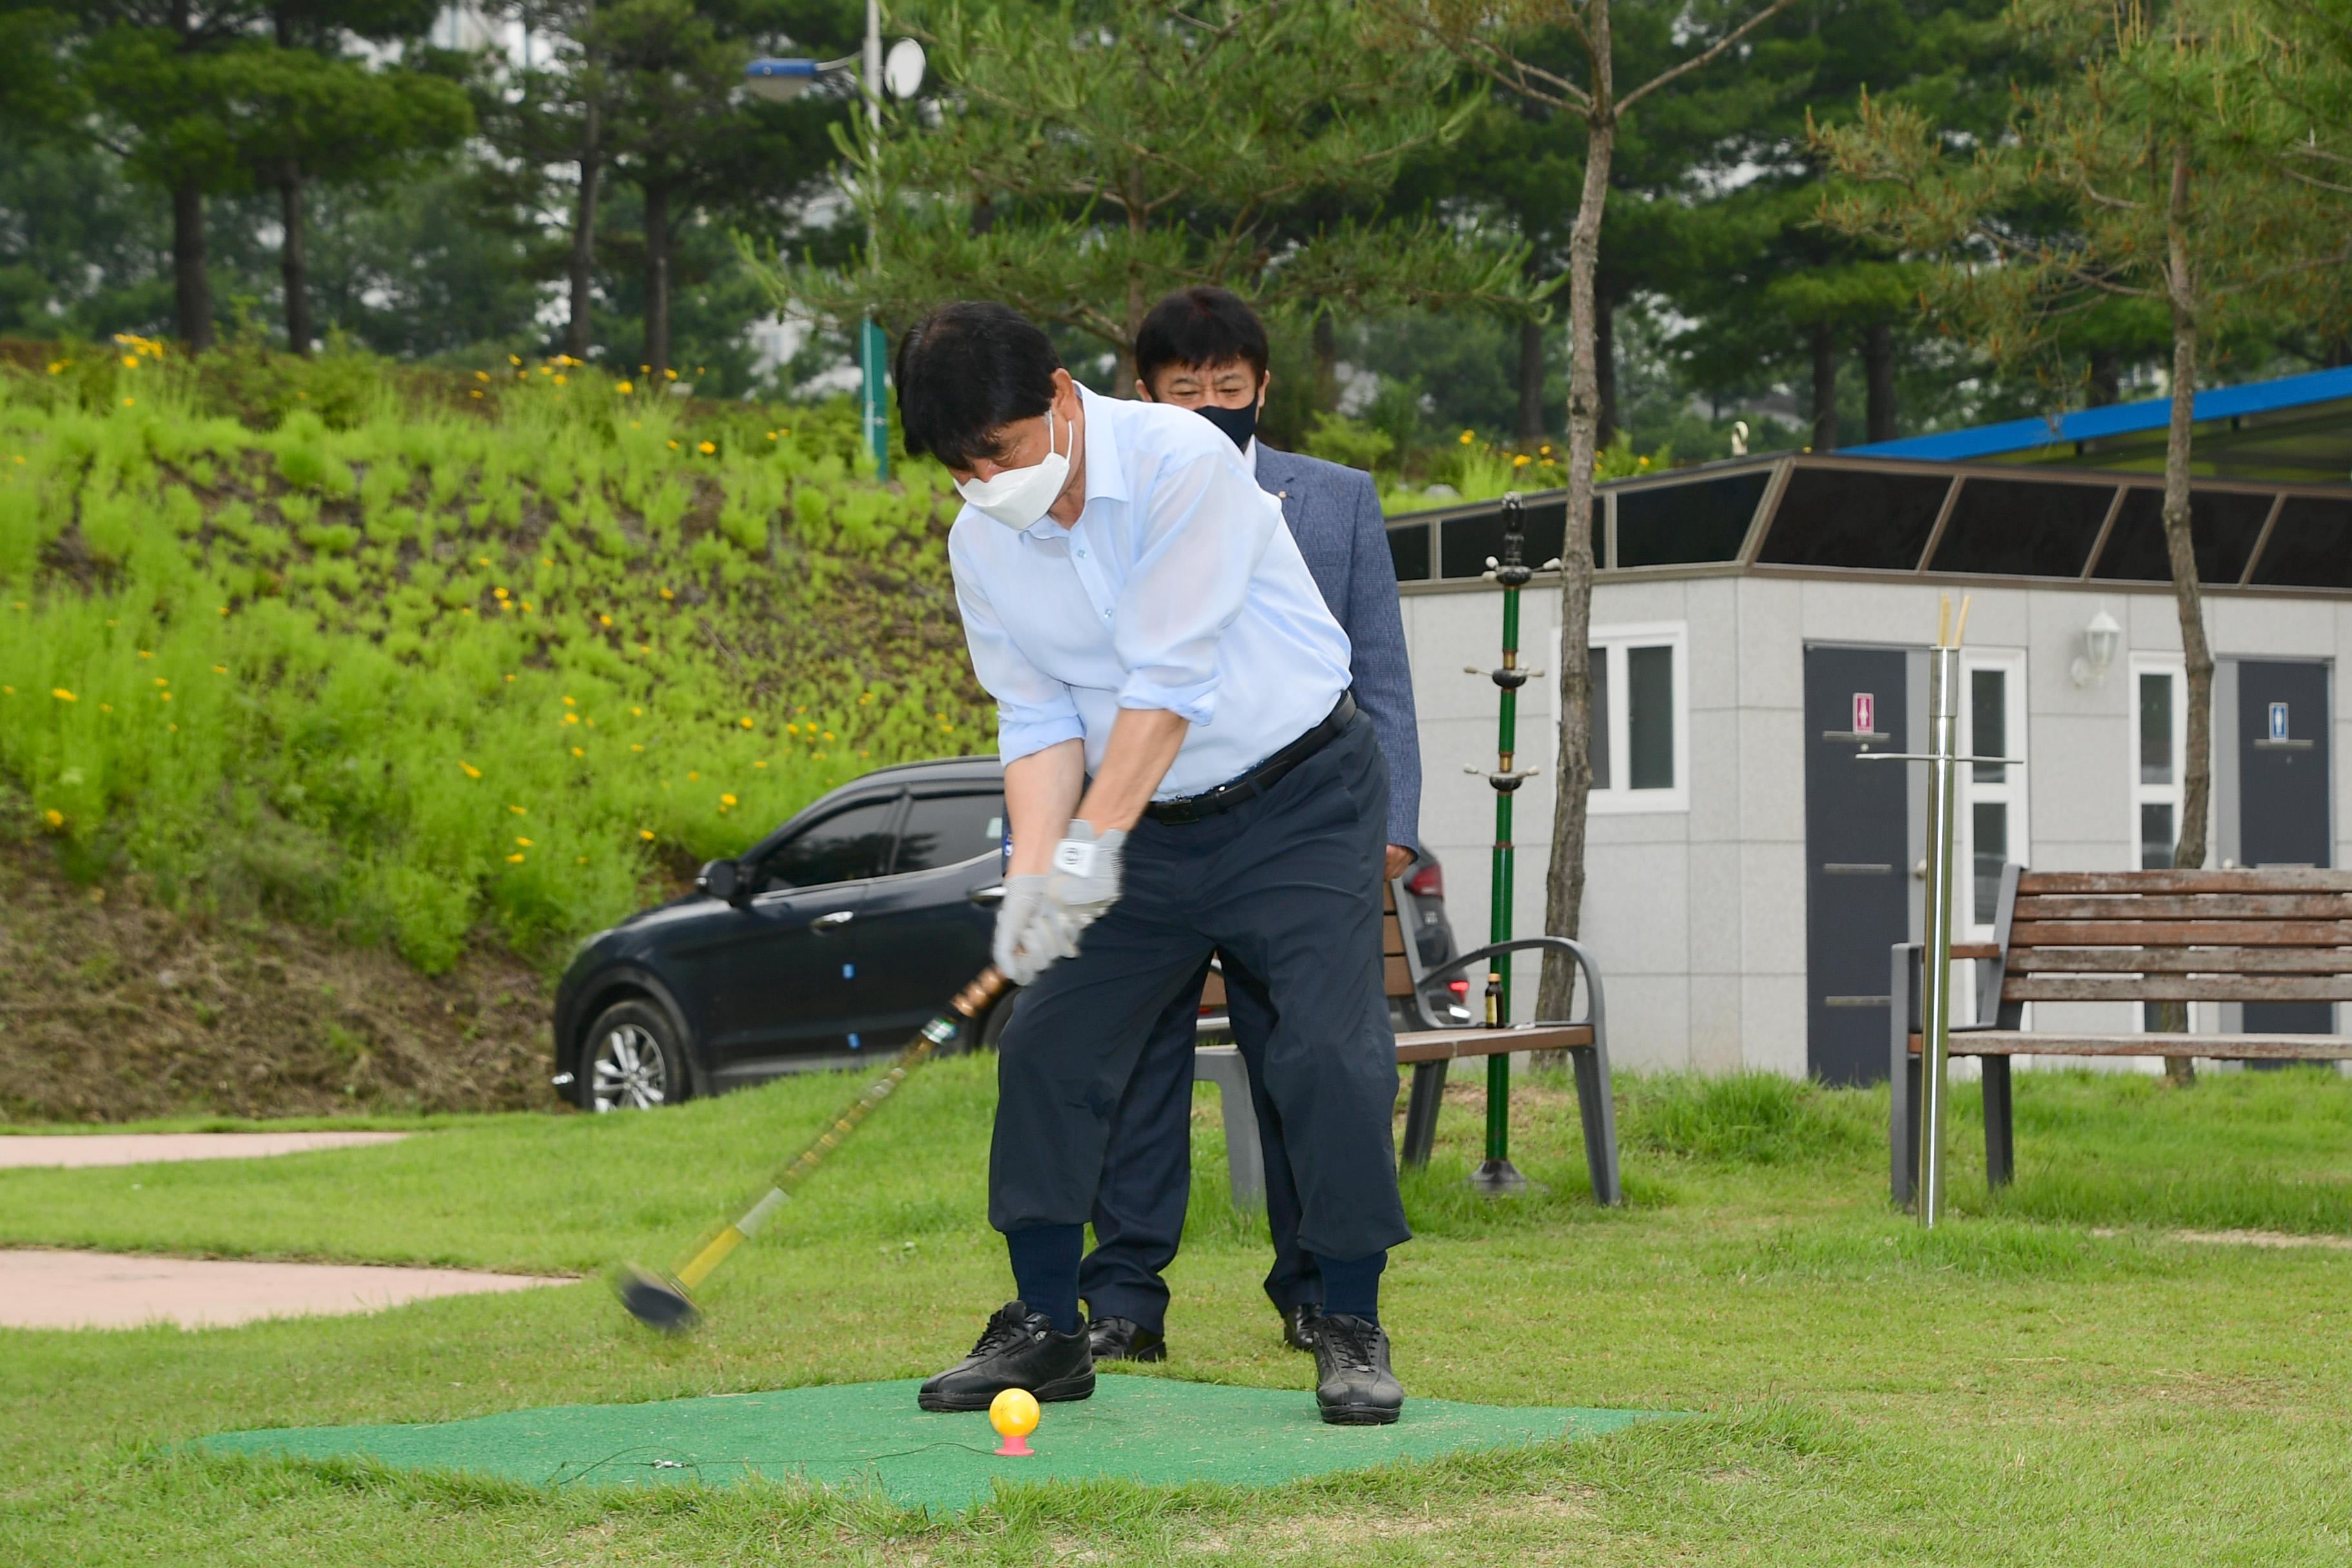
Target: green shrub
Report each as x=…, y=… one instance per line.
x=417, y=674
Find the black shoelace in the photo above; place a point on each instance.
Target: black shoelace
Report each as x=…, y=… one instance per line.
x=1004, y=1330
x=1352, y=1343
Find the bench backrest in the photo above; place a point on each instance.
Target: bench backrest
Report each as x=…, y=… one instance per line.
x=2281, y=935
x=1396, y=974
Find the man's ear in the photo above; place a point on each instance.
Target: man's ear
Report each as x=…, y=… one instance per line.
x=1065, y=392
x=1143, y=392
x=1265, y=380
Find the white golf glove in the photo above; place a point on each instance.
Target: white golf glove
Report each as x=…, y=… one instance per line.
x=1082, y=886
x=1019, y=909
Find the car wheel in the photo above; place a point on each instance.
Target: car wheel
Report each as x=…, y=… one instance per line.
x=633, y=1060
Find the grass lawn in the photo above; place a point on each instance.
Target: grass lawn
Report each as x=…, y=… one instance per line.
x=2056, y=1377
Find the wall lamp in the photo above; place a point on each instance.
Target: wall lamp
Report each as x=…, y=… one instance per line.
x=2101, y=638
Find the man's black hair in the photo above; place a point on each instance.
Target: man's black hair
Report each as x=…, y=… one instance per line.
x=1199, y=326
x=965, y=372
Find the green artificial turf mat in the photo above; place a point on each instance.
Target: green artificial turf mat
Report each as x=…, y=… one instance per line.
x=1151, y=1429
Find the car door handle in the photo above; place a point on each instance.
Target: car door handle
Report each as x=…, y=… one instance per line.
x=833, y=921
x=987, y=895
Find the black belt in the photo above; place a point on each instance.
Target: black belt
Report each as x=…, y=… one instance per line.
x=1259, y=779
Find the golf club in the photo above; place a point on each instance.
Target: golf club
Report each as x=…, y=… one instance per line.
x=666, y=1301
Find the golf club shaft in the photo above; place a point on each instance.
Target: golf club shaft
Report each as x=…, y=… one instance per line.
x=967, y=1007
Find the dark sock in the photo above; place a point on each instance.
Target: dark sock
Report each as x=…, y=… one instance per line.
x=1046, y=1270
x=1353, y=1286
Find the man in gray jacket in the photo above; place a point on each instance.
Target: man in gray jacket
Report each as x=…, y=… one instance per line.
x=1204, y=349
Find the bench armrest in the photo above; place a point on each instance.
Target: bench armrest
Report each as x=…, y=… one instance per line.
x=1594, y=1006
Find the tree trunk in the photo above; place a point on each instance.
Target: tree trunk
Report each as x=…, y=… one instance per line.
x=192, y=290
x=293, y=262
x=1326, y=364
x=1878, y=375
x=576, y=331
x=2197, y=778
x=1531, y=380
x=1604, y=368
x=657, y=275
x=1825, y=434
x=1573, y=784
x=2106, y=377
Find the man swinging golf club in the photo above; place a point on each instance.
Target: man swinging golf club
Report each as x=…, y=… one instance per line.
x=1185, y=772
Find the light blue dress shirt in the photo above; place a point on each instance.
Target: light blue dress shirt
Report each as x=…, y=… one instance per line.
x=1179, y=588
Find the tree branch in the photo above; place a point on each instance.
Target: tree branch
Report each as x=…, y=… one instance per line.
x=1683, y=67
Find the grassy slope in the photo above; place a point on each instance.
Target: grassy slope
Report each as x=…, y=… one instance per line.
x=2006, y=1390
x=415, y=662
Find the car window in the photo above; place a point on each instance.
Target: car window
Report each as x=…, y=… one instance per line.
x=845, y=847
x=947, y=829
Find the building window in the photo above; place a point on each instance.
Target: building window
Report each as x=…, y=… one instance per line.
x=1640, y=719
x=1992, y=818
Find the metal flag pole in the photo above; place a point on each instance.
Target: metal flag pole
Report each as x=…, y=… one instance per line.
x=1943, y=758
x=1497, y=1173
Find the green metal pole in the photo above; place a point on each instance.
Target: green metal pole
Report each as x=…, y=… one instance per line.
x=1511, y=571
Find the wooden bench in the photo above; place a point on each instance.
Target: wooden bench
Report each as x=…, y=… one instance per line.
x=1429, y=1051
x=2281, y=935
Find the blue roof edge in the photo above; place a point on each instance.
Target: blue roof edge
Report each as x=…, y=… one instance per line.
x=2116, y=419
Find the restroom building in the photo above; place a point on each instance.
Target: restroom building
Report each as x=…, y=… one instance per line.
x=1758, y=624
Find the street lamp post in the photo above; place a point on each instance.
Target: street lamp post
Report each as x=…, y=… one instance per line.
x=786, y=79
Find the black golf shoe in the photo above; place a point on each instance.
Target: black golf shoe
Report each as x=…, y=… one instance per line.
x=1124, y=1339
x=1019, y=1349
x=1353, y=1385
x=1299, y=1323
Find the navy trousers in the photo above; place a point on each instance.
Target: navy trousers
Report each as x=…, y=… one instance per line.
x=1289, y=886
x=1148, y=1169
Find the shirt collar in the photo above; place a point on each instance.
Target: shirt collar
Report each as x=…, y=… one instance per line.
x=1106, y=476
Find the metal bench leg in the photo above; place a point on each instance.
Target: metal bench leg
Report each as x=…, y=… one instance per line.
x=1902, y=1082
x=2000, y=1134
x=1245, y=1157
x=1421, y=1110
x=1600, y=1120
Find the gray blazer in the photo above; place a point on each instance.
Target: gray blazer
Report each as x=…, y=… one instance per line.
x=1334, y=515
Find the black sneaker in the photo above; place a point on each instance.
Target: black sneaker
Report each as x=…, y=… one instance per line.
x=1124, y=1339
x=1019, y=1349
x=1299, y=1323
x=1353, y=1385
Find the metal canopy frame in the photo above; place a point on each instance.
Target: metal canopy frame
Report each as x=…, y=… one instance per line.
x=1778, y=471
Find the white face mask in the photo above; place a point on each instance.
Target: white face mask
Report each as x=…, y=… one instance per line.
x=1017, y=498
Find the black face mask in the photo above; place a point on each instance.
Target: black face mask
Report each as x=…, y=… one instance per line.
x=1239, y=423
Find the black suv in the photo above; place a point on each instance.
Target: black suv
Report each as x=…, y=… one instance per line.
x=841, y=932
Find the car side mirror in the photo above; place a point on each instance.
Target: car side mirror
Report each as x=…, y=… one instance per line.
x=723, y=879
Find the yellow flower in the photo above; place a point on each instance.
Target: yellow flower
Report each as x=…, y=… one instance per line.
x=167, y=696
x=669, y=376
x=727, y=800
x=646, y=834
x=604, y=620
x=761, y=764
x=514, y=359
x=562, y=381
x=54, y=818
x=1641, y=462
x=572, y=702
x=1545, y=448
x=636, y=748
x=129, y=402
x=526, y=606
x=481, y=375
x=643, y=369
x=547, y=561
x=828, y=734
x=693, y=778
x=578, y=753
x=636, y=425
x=471, y=771
x=644, y=647
x=668, y=594
x=510, y=680
x=571, y=718
x=515, y=858
x=220, y=669
x=224, y=609
x=62, y=695
x=526, y=843
x=57, y=366
x=131, y=361
x=625, y=387
x=106, y=706
x=482, y=561
x=673, y=445
x=637, y=712
x=498, y=593
x=1521, y=461
x=476, y=393
x=771, y=435
x=745, y=721
x=707, y=448
x=1468, y=437
x=520, y=810
x=583, y=861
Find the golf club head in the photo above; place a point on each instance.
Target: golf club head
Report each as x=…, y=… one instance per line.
x=655, y=1300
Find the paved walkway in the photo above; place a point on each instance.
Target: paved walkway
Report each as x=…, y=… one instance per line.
x=20, y=1151
x=44, y=1290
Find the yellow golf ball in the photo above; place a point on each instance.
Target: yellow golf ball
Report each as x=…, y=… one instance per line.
x=1014, y=1412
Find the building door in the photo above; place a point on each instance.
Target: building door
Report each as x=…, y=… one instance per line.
x=1856, y=844
x=2283, y=818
